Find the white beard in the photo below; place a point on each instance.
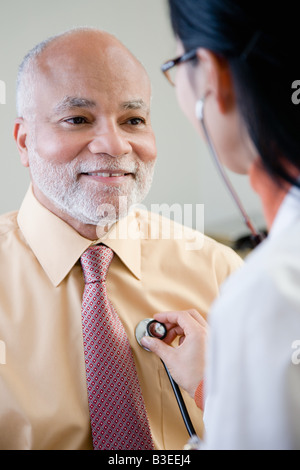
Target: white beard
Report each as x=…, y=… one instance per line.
x=91, y=203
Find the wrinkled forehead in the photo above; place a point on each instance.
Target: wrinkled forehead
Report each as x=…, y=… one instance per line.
x=86, y=68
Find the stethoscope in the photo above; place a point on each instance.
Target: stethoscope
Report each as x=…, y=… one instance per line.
x=151, y=327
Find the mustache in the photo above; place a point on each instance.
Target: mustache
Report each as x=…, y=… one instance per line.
x=103, y=164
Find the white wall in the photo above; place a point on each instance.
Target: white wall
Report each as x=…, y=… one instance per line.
x=184, y=172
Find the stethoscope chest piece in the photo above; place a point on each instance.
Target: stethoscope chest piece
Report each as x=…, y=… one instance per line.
x=150, y=327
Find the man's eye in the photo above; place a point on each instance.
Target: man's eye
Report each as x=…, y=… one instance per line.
x=136, y=121
x=76, y=120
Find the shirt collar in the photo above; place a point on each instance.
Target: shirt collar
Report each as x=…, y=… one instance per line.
x=58, y=246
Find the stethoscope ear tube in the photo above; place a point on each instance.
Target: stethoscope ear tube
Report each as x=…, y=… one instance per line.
x=257, y=237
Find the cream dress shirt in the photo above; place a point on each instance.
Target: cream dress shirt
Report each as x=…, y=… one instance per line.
x=253, y=376
x=43, y=396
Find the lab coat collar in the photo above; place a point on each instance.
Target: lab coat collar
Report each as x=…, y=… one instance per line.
x=288, y=211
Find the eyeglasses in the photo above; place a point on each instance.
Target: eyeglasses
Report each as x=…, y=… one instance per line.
x=170, y=64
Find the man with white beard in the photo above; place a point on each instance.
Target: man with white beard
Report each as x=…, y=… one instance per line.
x=84, y=131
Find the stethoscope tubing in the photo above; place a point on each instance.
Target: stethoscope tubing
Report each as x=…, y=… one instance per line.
x=181, y=404
x=257, y=237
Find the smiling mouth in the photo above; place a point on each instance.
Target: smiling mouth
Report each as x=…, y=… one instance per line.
x=107, y=174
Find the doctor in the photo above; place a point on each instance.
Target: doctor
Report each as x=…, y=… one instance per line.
x=238, y=74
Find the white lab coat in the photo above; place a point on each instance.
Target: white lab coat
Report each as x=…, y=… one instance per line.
x=253, y=375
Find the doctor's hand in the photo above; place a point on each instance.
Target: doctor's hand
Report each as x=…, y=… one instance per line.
x=186, y=362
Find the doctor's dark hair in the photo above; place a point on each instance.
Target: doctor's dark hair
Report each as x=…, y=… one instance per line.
x=260, y=46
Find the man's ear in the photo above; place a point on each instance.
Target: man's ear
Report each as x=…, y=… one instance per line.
x=20, y=135
x=216, y=79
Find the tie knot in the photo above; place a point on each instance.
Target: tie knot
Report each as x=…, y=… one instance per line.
x=95, y=262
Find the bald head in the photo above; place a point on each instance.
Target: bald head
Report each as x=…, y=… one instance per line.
x=98, y=52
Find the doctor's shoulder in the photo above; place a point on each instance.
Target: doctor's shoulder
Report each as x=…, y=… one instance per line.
x=268, y=281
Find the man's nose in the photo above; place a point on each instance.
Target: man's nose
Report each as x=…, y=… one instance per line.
x=110, y=141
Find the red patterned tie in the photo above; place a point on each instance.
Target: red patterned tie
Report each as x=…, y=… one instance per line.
x=118, y=415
